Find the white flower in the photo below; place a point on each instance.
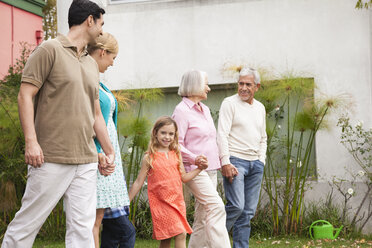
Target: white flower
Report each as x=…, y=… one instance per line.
x=350, y=191
x=130, y=149
x=361, y=173
x=290, y=161
x=299, y=164
x=359, y=124
x=277, y=108
x=279, y=127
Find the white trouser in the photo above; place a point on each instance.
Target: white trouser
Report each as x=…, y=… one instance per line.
x=209, y=228
x=45, y=187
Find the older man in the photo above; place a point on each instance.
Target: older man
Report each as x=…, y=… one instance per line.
x=242, y=145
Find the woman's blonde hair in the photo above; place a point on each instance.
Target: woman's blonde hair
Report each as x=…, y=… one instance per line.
x=154, y=143
x=106, y=41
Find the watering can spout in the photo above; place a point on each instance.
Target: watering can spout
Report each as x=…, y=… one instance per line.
x=338, y=231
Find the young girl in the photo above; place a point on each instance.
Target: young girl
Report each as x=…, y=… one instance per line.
x=163, y=166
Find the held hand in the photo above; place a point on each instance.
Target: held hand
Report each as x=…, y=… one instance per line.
x=102, y=170
x=229, y=171
x=110, y=158
x=202, y=162
x=203, y=166
x=106, y=171
x=34, y=154
x=101, y=160
x=102, y=164
x=110, y=168
x=106, y=166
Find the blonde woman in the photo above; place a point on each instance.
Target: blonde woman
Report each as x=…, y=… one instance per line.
x=112, y=195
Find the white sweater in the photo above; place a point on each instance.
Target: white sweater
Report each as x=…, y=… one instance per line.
x=241, y=130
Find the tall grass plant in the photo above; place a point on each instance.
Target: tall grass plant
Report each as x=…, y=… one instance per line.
x=135, y=130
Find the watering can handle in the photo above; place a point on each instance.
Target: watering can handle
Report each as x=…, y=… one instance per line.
x=311, y=227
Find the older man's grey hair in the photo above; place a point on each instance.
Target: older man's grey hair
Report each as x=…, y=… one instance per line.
x=192, y=83
x=250, y=71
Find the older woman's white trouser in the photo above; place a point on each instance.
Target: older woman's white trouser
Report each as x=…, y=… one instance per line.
x=209, y=228
x=45, y=187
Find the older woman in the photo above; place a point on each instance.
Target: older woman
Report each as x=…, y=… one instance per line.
x=112, y=194
x=197, y=137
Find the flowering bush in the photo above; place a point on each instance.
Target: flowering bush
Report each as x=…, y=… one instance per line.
x=358, y=141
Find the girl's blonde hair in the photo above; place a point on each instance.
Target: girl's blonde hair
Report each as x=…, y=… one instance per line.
x=106, y=41
x=154, y=143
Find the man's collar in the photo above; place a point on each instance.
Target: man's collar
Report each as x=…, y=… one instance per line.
x=64, y=40
x=67, y=43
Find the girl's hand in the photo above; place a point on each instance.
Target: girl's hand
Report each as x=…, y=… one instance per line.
x=202, y=162
x=203, y=166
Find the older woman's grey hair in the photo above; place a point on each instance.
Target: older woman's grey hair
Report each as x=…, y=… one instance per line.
x=192, y=83
x=250, y=71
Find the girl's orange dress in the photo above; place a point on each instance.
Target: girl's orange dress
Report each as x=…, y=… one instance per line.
x=164, y=189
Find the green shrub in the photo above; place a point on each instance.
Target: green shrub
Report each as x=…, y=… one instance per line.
x=12, y=166
x=261, y=223
x=143, y=221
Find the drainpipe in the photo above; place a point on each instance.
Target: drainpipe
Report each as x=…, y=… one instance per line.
x=12, y=36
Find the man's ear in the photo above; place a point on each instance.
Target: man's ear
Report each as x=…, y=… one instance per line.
x=90, y=20
x=258, y=86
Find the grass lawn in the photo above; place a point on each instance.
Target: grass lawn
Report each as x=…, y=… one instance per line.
x=269, y=242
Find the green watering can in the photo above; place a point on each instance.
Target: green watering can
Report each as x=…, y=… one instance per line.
x=323, y=231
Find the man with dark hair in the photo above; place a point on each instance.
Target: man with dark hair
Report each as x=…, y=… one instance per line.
x=60, y=115
x=81, y=9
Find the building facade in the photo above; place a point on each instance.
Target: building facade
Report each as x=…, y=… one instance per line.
x=22, y=21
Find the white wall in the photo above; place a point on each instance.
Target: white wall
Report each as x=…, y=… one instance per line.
x=329, y=40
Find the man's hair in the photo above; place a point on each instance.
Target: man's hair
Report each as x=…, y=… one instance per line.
x=80, y=10
x=250, y=71
x=192, y=83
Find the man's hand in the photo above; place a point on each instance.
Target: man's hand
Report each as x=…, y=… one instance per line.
x=34, y=154
x=102, y=164
x=110, y=158
x=106, y=164
x=202, y=162
x=110, y=166
x=229, y=171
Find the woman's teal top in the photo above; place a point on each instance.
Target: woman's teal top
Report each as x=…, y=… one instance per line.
x=105, y=104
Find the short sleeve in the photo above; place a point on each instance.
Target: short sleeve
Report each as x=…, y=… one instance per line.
x=38, y=66
x=96, y=92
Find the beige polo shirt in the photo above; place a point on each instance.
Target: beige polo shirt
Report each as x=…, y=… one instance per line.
x=64, y=105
